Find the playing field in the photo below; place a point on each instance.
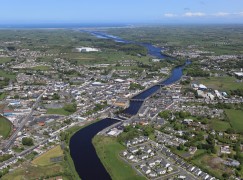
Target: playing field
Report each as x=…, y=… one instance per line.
x=221, y=83
x=236, y=119
x=219, y=125
x=5, y=127
x=59, y=111
x=44, y=159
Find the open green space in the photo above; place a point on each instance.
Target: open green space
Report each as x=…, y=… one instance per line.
x=44, y=159
x=219, y=125
x=31, y=172
x=2, y=96
x=7, y=74
x=60, y=111
x=41, y=68
x=108, y=150
x=109, y=56
x=221, y=83
x=236, y=119
x=5, y=127
x=218, y=39
x=211, y=164
x=5, y=59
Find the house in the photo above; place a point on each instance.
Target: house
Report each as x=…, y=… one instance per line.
x=143, y=156
x=192, y=150
x=147, y=150
x=225, y=150
x=153, y=174
x=160, y=171
x=169, y=169
x=232, y=162
x=124, y=153
x=151, y=163
x=130, y=157
x=164, y=164
x=146, y=170
x=133, y=150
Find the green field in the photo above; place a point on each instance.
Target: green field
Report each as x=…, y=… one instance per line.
x=7, y=74
x=236, y=119
x=5, y=59
x=2, y=96
x=35, y=172
x=41, y=68
x=221, y=83
x=5, y=127
x=44, y=159
x=219, y=125
x=211, y=164
x=108, y=150
x=59, y=111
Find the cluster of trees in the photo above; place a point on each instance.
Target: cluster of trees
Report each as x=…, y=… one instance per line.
x=5, y=157
x=26, y=141
x=99, y=107
x=134, y=86
x=55, y=96
x=70, y=107
x=196, y=71
x=129, y=133
x=237, y=92
x=165, y=114
x=4, y=82
x=133, y=49
x=3, y=172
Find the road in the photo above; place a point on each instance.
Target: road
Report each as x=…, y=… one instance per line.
x=22, y=124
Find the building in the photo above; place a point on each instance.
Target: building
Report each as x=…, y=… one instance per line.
x=87, y=49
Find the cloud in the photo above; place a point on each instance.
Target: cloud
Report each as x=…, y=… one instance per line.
x=221, y=14
x=239, y=14
x=194, y=14
x=201, y=14
x=224, y=14
x=170, y=15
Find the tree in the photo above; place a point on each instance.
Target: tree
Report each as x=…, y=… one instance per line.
x=70, y=107
x=55, y=96
x=148, y=130
x=27, y=141
x=164, y=114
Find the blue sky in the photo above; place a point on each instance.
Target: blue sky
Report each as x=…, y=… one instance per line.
x=123, y=11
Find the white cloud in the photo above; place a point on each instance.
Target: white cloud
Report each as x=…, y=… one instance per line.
x=239, y=14
x=170, y=15
x=194, y=14
x=221, y=14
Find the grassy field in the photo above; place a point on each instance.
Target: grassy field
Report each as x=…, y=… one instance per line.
x=5, y=59
x=41, y=68
x=2, y=96
x=236, y=119
x=31, y=172
x=211, y=164
x=219, y=125
x=108, y=150
x=59, y=111
x=44, y=159
x=103, y=57
x=7, y=74
x=5, y=127
x=221, y=83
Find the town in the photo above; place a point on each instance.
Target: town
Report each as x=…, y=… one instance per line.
x=188, y=129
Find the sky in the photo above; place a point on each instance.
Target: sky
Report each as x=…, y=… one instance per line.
x=122, y=11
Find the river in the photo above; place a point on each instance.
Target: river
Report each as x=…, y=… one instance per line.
x=82, y=151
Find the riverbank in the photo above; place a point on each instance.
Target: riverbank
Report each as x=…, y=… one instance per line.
x=108, y=150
